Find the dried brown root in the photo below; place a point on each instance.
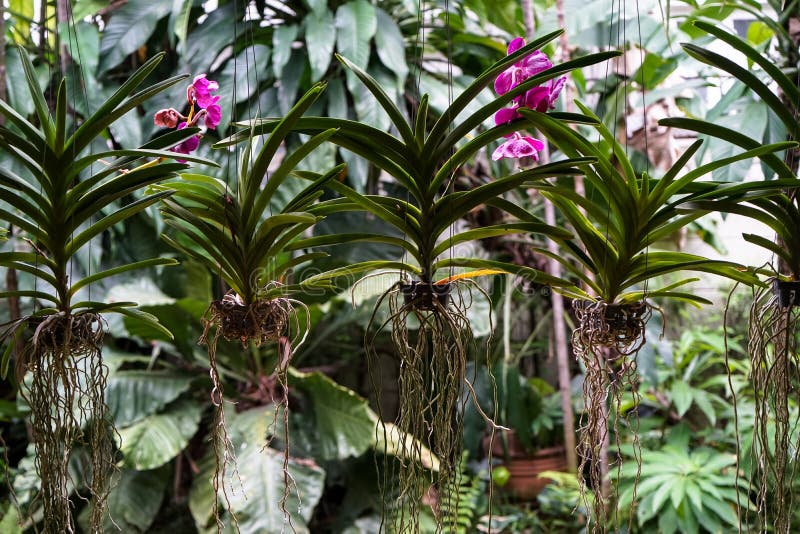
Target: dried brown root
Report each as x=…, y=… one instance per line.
x=262, y=321
x=432, y=371
x=66, y=394
x=774, y=374
x=606, y=341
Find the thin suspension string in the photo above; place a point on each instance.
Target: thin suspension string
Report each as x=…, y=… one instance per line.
x=72, y=35
x=419, y=51
x=646, y=282
x=611, y=42
x=44, y=37
x=450, y=121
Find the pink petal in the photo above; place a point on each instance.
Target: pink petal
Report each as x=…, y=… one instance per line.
x=515, y=45
x=505, y=116
x=499, y=152
x=537, y=99
x=535, y=63
x=167, y=118
x=504, y=82
x=555, y=87
x=535, y=143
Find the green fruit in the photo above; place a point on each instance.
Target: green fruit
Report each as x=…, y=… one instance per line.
x=500, y=476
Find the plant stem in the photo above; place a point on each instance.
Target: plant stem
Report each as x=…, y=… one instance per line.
x=557, y=301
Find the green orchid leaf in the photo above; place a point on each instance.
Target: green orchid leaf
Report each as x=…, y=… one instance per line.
x=39, y=103
x=109, y=220
x=748, y=78
x=531, y=275
x=250, y=185
x=787, y=86
x=281, y=173
x=349, y=271
x=774, y=162
x=147, y=318
x=143, y=264
x=499, y=230
x=395, y=115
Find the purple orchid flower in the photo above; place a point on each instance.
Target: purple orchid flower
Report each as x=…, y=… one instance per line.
x=200, y=91
x=519, y=147
x=187, y=146
x=523, y=69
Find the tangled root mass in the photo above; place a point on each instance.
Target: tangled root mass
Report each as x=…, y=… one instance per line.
x=432, y=372
x=606, y=341
x=262, y=321
x=66, y=394
x=775, y=374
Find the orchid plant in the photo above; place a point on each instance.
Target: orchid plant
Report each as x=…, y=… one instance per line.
x=618, y=227
x=774, y=313
x=67, y=195
x=430, y=330
x=239, y=232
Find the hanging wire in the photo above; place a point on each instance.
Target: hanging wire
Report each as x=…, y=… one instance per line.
x=72, y=34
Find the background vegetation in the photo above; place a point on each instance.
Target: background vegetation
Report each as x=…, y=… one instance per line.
x=265, y=55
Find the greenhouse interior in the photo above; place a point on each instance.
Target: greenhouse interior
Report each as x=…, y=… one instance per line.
x=399, y=266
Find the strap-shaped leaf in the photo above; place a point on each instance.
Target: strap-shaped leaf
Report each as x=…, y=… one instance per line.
x=24, y=224
x=34, y=148
x=148, y=318
x=81, y=209
x=617, y=150
x=576, y=270
x=303, y=200
x=99, y=120
x=60, y=119
x=39, y=103
x=41, y=295
x=29, y=131
x=338, y=239
x=249, y=187
x=531, y=275
x=348, y=271
x=395, y=115
x=449, y=209
x=758, y=152
x=209, y=236
x=124, y=159
x=12, y=181
x=280, y=271
x=29, y=209
x=498, y=230
x=374, y=145
x=659, y=194
x=775, y=248
x=775, y=74
x=209, y=257
x=262, y=200
x=749, y=79
x=143, y=264
x=110, y=220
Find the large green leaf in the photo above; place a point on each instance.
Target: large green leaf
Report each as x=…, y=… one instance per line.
x=341, y=423
x=135, y=499
x=130, y=27
x=133, y=395
x=157, y=439
x=320, y=39
x=255, y=495
x=356, y=24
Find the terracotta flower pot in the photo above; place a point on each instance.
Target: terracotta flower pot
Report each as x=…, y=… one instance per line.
x=524, y=482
